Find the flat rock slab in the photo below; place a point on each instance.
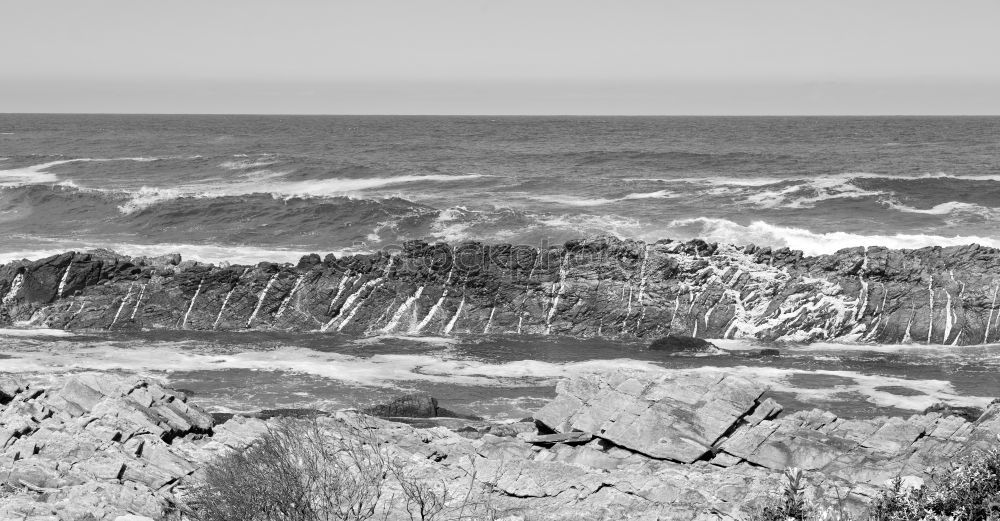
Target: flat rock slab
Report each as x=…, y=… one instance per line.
x=676, y=417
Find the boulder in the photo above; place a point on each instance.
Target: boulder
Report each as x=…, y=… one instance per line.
x=416, y=405
x=944, y=409
x=683, y=344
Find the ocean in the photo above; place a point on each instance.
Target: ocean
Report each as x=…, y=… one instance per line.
x=244, y=189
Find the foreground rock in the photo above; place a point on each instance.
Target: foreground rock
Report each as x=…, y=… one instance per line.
x=97, y=447
x=626, y=445
x=599, y=287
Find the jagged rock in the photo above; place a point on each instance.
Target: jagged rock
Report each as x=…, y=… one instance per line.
x=103, y=446
x=595, y=287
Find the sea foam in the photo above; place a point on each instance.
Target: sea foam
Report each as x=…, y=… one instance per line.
x=398, y=371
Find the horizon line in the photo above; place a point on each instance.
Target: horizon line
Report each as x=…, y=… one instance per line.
x=561, y=115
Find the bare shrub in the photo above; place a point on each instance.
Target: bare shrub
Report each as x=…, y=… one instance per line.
x=331, y=470
x=436, y=500
x=302, y=470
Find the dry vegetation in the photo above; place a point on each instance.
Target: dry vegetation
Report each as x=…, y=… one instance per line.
x=970, y=491
x=331, y=470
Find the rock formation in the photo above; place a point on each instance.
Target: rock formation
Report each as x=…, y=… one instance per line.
x=624, y=445
x=99, y=446
x=599, y=287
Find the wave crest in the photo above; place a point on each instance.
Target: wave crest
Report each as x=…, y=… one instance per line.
x=809, y=242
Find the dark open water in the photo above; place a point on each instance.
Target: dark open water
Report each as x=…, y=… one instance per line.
x=253, y=187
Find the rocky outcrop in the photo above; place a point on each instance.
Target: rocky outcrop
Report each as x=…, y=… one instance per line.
x=599, y=287
x=625, y=445
x=98, y=447
x=722, y=420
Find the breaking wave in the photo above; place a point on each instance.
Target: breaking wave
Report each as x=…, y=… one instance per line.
x=809, y=242
x=796, y=192
x=569, y=200
x=949, y=208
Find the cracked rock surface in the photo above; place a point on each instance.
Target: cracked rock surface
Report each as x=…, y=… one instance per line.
x=626, y=444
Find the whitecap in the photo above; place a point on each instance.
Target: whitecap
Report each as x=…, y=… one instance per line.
x=948, y=208
x=269, y=182
x=247, y=164
x=809, y=242
x=38, y=174
x=568, y=200
x=805, y=192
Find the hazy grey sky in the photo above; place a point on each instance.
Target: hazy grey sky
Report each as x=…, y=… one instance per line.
x=502, y=57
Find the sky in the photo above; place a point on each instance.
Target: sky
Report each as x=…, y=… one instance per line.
x=712, y=57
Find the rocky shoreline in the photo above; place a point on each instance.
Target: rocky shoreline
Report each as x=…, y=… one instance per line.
x=598, y=287
x=627, y=444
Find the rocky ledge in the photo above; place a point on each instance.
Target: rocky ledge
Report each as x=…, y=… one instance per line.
x=598, y=287
x=622, y=445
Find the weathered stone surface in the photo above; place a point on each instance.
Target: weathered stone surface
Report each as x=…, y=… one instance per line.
x=595, y=287
x=102, y=447
x=104, y=464
x=669, y=418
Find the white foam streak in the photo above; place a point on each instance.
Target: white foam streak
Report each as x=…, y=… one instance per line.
x=246, y=164
x=568, y=200
x=37, y=174
x=271, y=183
